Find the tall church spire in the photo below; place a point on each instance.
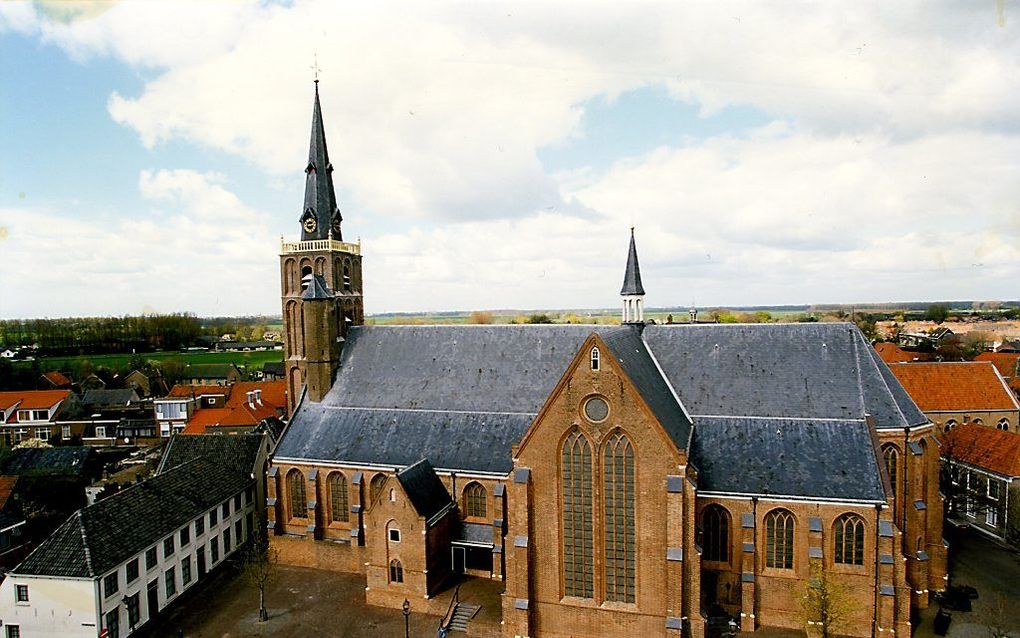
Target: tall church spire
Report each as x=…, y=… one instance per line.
x=633, y=292
x=320, y=218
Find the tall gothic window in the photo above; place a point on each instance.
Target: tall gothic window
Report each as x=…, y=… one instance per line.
x=396, y=571
x=375, y=486
x=892, y=460
x=715, y=525
x=596, y=359
x=618, y=485
x=474, y=500
x=576, y=473
x=850, y=539
x=296, y=491
x=338, y=505
x=779, y=539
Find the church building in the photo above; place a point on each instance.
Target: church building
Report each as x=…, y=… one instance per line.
x=639, y=477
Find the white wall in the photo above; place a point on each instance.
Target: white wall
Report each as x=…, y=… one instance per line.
x=55, y=607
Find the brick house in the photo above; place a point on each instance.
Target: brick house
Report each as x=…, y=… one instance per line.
x=983, y=466
x=118, y=563
x=954, y=393
x=33, y=414
x=648, y=478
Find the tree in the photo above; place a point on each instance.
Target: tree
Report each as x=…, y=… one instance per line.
x=540, y=318
x=825, y=602
x=937, y=313
x=260, y=560
x=481, y=317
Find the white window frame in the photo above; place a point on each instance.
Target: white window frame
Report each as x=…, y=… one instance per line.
x=39, y=431
x=393, y=535
x=65, y=432
x=1003, y=424
x=992, y=517
x=100, y=431
x=992, y=482
x=595, y=359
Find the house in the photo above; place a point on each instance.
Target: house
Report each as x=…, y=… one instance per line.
x=120, y=562
x=247, y=405
x=983, y=467
x=7, y=353
x=33, y=414
x=212, y=373
x=592, y=467
x=13, y=541
x=928, y=341
x=1008, y=364
x=953, y=393
x=272, y=370
x=92, y=382
x=105, y=399
x=174, y=410
x=54, y=380
x=146, y=384
x=892, y=353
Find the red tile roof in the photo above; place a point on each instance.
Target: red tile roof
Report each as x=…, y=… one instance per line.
x=58, y=379
x=183, y=390
x=1005, y=362
x=32, y=399
x=6, y=489
x=892, y=353
x=237, y=412
x=984, y=447
x=955, y=387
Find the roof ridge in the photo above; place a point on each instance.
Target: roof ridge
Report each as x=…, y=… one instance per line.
x=85, y=542
x=860, y=377
x=881, y=377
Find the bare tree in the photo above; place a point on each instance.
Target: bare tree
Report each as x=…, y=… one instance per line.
x=826, y=602
x=260, y=560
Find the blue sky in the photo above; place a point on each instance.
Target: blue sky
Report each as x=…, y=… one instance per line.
x=151, y=153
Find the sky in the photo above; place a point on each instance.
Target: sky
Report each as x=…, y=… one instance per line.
x=495, y=155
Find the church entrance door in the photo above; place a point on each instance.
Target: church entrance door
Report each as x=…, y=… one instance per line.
x=458, y=559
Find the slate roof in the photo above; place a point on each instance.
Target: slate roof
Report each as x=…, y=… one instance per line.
x=955, y=386
x=320, y=197
x=273, y=367
x=631, y=352
x=818, y=459
x=985, y=447
x=632, y=276
x=317, y=289
x=817, y=371
x=238, y=452
x=98, y=538
x=461, y=396
x=426, y=492
x=61, y=461
x=108, y=398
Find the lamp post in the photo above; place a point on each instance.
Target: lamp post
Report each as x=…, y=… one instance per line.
x=406, y=607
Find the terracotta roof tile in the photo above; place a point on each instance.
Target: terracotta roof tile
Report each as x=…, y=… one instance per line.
x=183, y=390
x=6, y=488
x=953, y=387
x=57, y=378
x=1005, y=362
x=984, y=447
x=237, y=412
x=33, y=399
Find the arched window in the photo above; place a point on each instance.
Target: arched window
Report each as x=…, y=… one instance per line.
x=296, y=491
x=923, y=465
x=474, y=500
x=618, y=499
x=338, y=505
x=347, y=275
x=715, y=525
x=396, y=571
x=596, y=359
x=849, y=532
x=578, y=558
x=978, y=422
x=779, y=539
x=1003, y=425
x=375, y=486
x=306, y=276
x=950, y=424
x=892, y=464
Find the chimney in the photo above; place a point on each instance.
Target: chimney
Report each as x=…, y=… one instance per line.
x=258, y=396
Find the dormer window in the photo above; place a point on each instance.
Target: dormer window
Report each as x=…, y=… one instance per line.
x=596, y=359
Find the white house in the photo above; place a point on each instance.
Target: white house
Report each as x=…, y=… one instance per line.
x=116, y=564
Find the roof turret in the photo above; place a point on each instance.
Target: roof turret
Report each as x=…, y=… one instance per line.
x=632, y=277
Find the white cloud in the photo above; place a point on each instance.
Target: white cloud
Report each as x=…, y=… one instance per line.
x=888, y=170
x=198, y=248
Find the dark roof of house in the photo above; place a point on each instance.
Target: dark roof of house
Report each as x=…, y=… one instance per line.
x=320, y=198
x=108, y=398
x=273, y=367
x=317, y=289
x=98, y=538
x=426, y=492
x=239, y=452
x=632, y=276
x=209, y=370
x=819, y=459
x=461, y=396
x=62, y=461
x=632, y=353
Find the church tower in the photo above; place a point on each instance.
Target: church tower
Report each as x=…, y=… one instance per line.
x=633, y=292
x=320, y=280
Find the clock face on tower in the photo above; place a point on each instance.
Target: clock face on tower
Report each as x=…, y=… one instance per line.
x=310, y=224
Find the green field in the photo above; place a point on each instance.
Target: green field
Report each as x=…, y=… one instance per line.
x=249, y=359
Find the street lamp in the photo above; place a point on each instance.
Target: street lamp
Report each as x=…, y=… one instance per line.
x=407, y=618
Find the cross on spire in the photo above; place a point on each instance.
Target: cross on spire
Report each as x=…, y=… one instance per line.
x=315, y=66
